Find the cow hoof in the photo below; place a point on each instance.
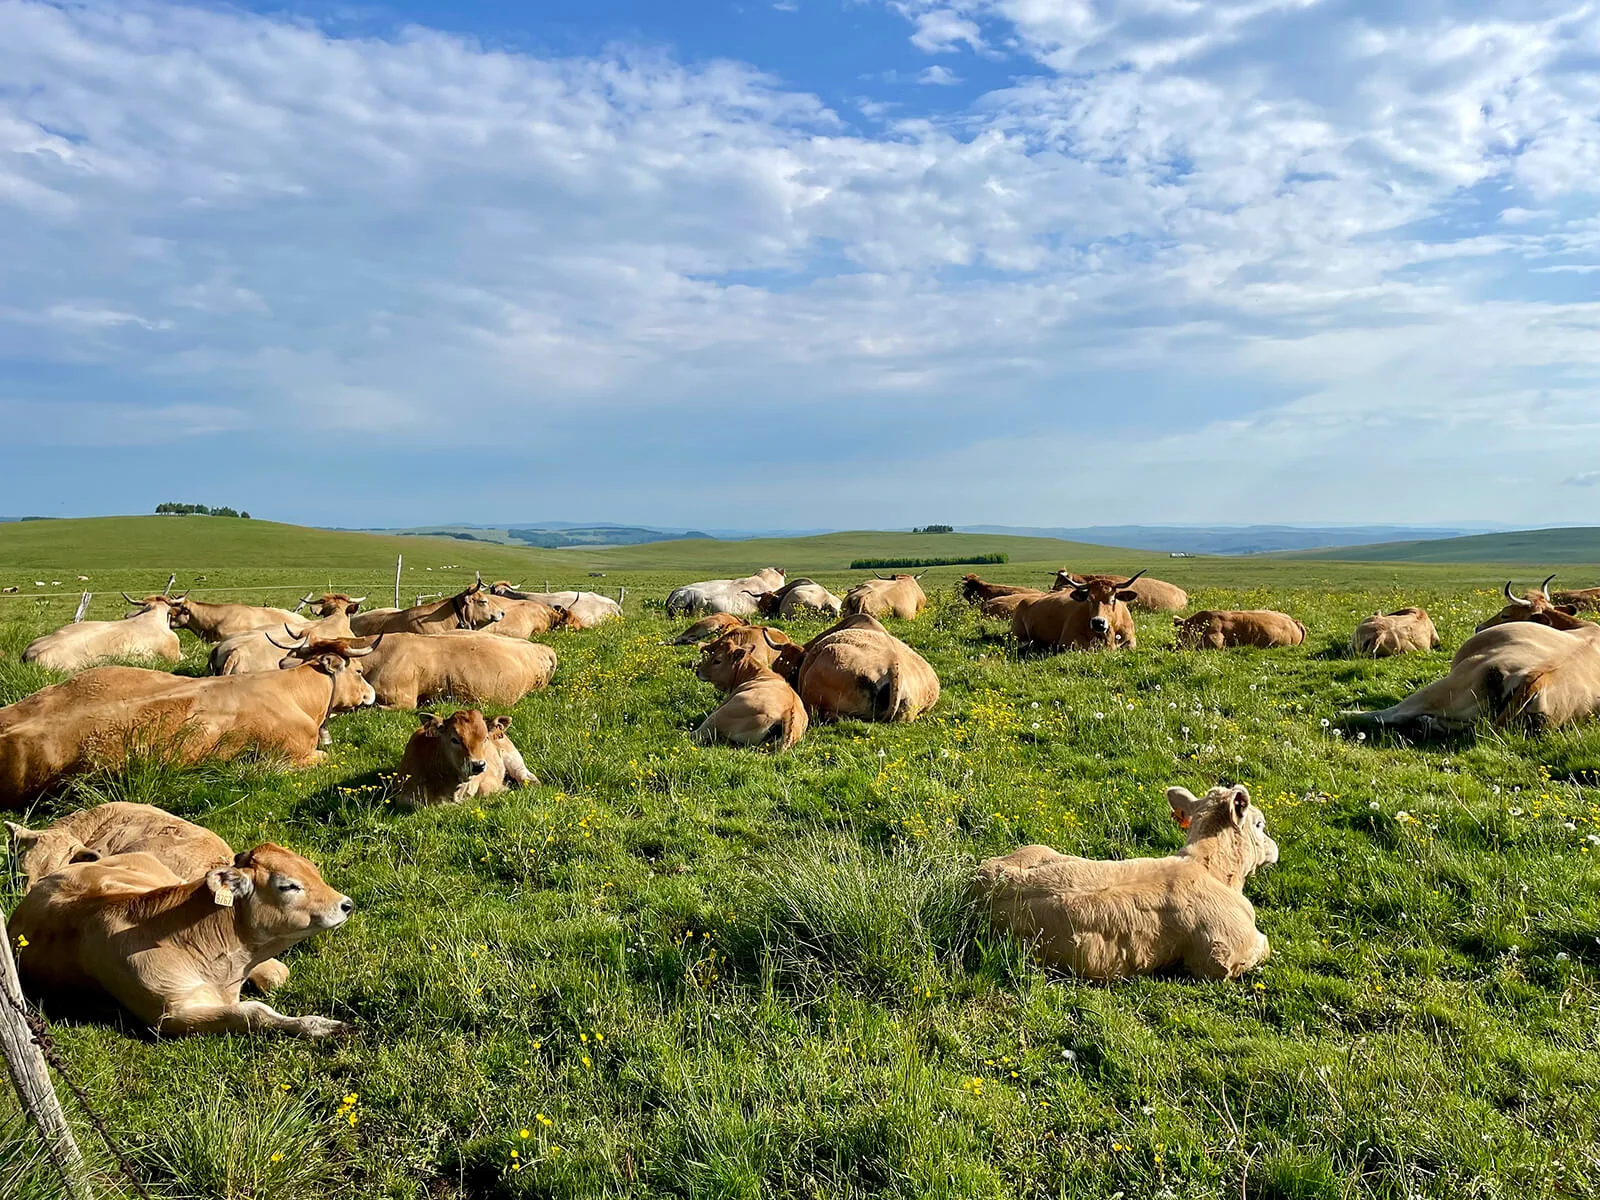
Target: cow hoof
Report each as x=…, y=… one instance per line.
x=268, y=975
x=322, y=1027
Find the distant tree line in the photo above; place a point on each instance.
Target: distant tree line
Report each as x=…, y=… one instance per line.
x=200, y=510
x=934, y=529
x=868, y=564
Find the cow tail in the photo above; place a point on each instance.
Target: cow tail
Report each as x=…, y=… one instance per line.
x=886, y=699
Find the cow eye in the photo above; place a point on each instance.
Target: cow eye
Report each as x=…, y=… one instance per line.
x=288, y=885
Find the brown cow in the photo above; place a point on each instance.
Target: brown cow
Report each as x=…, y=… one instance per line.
x=410, y=669
x=708, y=629
x=767, y=646
x=520, y=618
x=331, y=604
x=145, y=634
x=1517, y=673
x=798, y=598
x=106, y=714
x=176, y=953
x=1150, y=595
x=94, y=834
x=263, y=649
x=1004, y=608
x=975, y=590
x=459, y=757
x=585, y=610
x=898, y=596
x=1383, y=635
x=1214, y=629
x=1537, y=605
x=470, y=609
x=214, y=622
x=1091, y=616
x=761, y=707
x=1111, y=920
x=859, y=669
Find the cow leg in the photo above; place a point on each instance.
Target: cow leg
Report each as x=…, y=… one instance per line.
x=324, y=738
x=706, y=734
x=247, y=1016
x=268, y=975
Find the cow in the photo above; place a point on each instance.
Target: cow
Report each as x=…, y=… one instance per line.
x=214, y=622
x=145, y=634
x=708, y=629
x=1005, y=607
x=106, y=714
x=176, y=953
x=1383, y=635
x=1579, y=599
x=458, y=757
x=857, y=668
x=898, y=596
x=585, y=610
x=410, y=669
x=472, y=608
x=1520, y=673
x=1213, y=629
x=261, y=649
x=522, y=618
x=1150, y=595
x=1117, y=919
x=798, y=598
x=767, y=646
x=1538, y=605
x=1090, y=616
x=761, y=709
x=331, y=604
x=975, y=590
x=95, y=834
x=723, y=595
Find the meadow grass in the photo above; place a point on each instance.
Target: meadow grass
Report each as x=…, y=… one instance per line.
x=685, y=971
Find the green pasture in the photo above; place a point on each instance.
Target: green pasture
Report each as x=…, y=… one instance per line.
x=669, y=970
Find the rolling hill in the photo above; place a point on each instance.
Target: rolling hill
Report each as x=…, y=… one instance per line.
x=1579, y=544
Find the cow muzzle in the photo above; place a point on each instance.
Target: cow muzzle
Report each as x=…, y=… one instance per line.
x=337, y=914
x=477, y=767
x=1099, y=624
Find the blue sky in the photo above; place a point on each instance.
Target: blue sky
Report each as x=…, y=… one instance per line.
x=820, y=262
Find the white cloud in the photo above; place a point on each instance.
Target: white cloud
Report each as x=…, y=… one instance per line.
x=1187, y=236
x=939, y=75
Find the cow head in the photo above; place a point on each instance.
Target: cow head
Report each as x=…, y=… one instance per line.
x=1226, y=817
x=1535, y=606
x=278, y=897
x=767, y=603
x=40, y=852
x=332, y=604
x=971, y=588
x=1106, y=596
x=164, y=604
x=340, y=660
x=477, y=607
x=459, y=743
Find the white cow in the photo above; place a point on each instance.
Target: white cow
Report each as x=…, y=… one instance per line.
x=144, y=634
x=736, y=596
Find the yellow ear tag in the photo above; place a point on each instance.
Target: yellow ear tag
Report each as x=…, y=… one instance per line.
x=224, y=896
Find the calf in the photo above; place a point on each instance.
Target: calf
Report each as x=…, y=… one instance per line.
x=1383, y=635
x=1111, y=920
x=176, y=954
x=145, y=634
x=1216, y=630
x=1091, y=615
x=456, y=757
x=761, y=708
x=859, y=669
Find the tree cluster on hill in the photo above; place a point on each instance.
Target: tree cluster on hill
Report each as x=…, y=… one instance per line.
x=200, y=510
x=867, y=564
x=934, y=529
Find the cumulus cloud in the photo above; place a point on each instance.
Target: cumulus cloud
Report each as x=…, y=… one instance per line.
x=1183, y=236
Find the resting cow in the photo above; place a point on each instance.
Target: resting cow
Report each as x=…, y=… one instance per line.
x=104, y=715
x=1537, y=605
x=458, y=757
x=263, y=649
x=898, y=596
x=174, y=953
x=470, y=609
x=523, y=618
x=145, y=634
x=859, y=669
x=1149, y=595
x=1214, y=629
x=724, y=595
x=585, y=610
x=975, y=590
x=1111, y=920
x=214, y=622
x=761, y=708
x=1091, y=616
x=708, y=629
x=798, y=598
x=409, y=669
x=1406, y=630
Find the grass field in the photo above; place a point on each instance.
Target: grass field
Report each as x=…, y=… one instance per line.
x=1568, y=547
x=676, y=971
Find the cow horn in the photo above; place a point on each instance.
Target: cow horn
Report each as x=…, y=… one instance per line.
x=363, y=651
x=1510, y=599
x=766, y=635
x=885, y=578
x=1071, y=580
x=1131, y=578
x=299, y=640
x=478, y=586
x=304, y=600
x=1544, y=588
x=132, y=601
x=919, y=575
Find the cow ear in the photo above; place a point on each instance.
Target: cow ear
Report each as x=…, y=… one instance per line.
x=500, y=723
x=429, y=722
x=1240, y=802
x=1081, y=595
x=1570, y=609
x=1184, y=804
x=332, y=663
x=84, y=855
x=245, y=858
x=22, y=838
x=1127, y=597
x=227, y=884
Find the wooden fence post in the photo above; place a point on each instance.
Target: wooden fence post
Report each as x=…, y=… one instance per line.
x=622, y=594
x=31, y=1077
x=398, y=559
x=83, y=607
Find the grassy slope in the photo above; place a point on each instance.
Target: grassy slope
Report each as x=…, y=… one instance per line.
x=721, y=973
x=1543, y=546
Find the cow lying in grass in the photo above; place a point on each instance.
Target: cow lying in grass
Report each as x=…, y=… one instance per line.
x=175, y=953
x=734, y=596
x=709, y=628
x=1149, y=595
x=858, y=668
x=898, y=596
x=1404, y=631
x=761, y=708
x=1111, y=920
x=1215, y=629
x=458, y=757
x=585, y=610
x=798, y=598
x=147, y=633
x=1091, y=615
x=408, y=669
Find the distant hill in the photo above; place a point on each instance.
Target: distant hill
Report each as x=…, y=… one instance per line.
x=599, y=535
x=1538, y=546
x=1232, y=539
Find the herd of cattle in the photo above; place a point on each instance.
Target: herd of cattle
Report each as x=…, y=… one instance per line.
x=131, y=902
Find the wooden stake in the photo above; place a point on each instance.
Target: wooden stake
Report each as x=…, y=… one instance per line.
x=31, y=1077
x=83, y=607
x=398, y=559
